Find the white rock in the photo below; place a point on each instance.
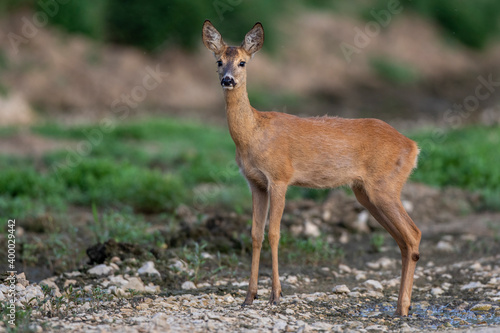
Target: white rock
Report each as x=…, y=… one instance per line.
x=472, y=285
x=376, y=328
x=118, y=280
x=73, y=274
x=229, y=299
x=149, y=269
x=361, y=223
x=344, y=268
x=188, y=285
x=437, y=291
x=152, y=289
x=408, y=205
x=322, y=326
x=279, y=326
x=160, y=320
x=206, y=255
x=344, y=238
x=382, y=263
x=52, y=285
x=21, y=278
x=360, y=276
x=292, y=279
x=354, y=294
x=445, y=246
x=476, y=266
x=100, y=270
x=373, y=285
x=311, y=229
x=134, y=283
x=341, y=289
x=373, y=293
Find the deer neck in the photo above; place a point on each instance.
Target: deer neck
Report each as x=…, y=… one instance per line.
x=240, y=116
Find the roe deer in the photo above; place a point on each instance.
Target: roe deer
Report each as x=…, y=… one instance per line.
x=275, y=150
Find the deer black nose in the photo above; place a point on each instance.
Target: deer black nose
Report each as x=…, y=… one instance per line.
x=227, y=81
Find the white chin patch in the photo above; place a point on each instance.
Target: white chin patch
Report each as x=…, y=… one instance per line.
x=228, y=87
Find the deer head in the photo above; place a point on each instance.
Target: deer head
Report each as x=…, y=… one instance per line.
x=231, y=60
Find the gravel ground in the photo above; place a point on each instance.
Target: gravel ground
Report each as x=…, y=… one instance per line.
x=122, y=296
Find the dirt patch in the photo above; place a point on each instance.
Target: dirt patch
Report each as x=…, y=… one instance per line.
x=25, y=143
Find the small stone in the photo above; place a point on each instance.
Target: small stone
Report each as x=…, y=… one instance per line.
x=289, y=312
x=376, y=328
x=437, y=291
x=476, y=266
x=373, y=285
x=445, y=246
x=481, y=307
x=311, y=229
x=279, y=326
x=100, y=270
x=341, y=289
x=360, y=276
x=188, y=285
x=149, y=269
x=382, y=263
x=134, y=283
x=152, y=289
x=373, y=293
x=292, y=279
x=116, y=260
x=354, y=294
x=344, y=268
x=408, y=205
x=229, y=298
x=52, y=285
x=206, y=255
x=472, y=285
x=21, y=278
x=69, y=282
x=321, y=326
x=160, y=320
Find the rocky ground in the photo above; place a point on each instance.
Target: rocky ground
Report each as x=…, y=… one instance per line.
x=456, y=286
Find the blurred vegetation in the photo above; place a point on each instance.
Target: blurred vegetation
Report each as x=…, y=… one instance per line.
x=154, y=165
x=463, y=158
x=393, y=71
x=162, y=23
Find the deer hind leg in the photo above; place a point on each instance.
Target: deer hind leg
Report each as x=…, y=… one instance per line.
x=277, y=194
x=389, y=212
x=260, y=199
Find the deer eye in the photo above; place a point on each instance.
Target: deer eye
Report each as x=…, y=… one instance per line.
x=242, y=64
x=219, y=63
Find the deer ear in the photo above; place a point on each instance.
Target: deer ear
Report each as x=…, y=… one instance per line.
x=254, y=39
x=212, y=38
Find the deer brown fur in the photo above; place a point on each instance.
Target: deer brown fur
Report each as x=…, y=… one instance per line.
x=275, y=150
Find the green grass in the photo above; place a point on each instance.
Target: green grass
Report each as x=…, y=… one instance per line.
x=153, y=165
x=467, y=158
x=393, y=72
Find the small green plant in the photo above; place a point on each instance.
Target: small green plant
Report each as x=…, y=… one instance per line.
x=195, y=260
x=377, y=241
x=393, y=72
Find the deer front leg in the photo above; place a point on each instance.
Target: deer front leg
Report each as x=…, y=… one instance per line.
x=277, y=194
x=260, y=201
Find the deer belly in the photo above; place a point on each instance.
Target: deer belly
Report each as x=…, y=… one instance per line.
x=322, y=176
